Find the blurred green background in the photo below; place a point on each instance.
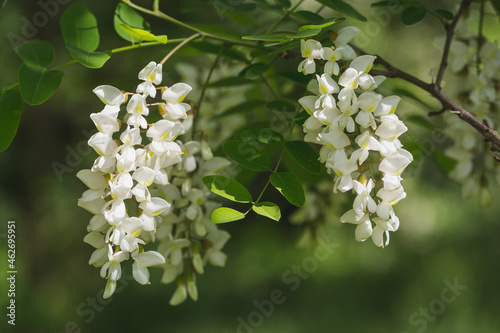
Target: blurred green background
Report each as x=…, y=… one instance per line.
x=442, y=240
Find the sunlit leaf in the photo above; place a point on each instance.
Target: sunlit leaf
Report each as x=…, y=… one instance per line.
x=289, y=186
x=247, y=155
x=267, y=209
x=10, y=115
x=227, y=188
x=37, y=84
x=306, y=33
x=143, y=35
x=224, y=215
x=327, y=23
x=126, y=15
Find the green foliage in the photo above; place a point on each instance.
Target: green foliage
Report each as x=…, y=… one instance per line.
x=79, y=28
x=344, y=8
x=267, y=209
x=301, y=118
x=262, y=135
x=143, y=35
x=227, y=188
x=421, y=121
x=89, y=59
x=496, y=5
x=37, y=84
x=446, y=14
x=225, y=214
x=246, y=155
x=304, y=155
x=325, y=24
x=126, y=15
x=254, y=70
x=412, y=15
x=246, y=106
x=308, y=16
x=10, y=115
x=289, y=186
x=36, y=53
x=281, y=105
x=230, y=82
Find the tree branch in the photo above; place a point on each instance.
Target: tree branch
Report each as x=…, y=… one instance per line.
x=450, y=30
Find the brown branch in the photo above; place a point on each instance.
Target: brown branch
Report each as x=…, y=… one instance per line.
x=450, y=30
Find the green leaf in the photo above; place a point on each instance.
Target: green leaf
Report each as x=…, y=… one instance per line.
x=124, y=14
x=422, y=121
x=36, y=53
x=308, y=16
x=382, y=3
x=306, y=33
x=89, y=59
x=206, y=47
x=301, y=118
x=289, y=186
x=143, y=35
x=285, y=3
x=230, y=82
x=242, y=107
x=281, y=105
x=246, y=155
x=227, y=188
x=445, y=162
x=224, y=215
x=329, y=22
x=496, y=5
x=304, y=155
x=412, y=15
x=79, y=28
x=254, y=70
x=11, y=106
x=262, y=135
x=344, y=8
x=37, y=84
x=446, y=14
x=267, y=38
x=267, y=209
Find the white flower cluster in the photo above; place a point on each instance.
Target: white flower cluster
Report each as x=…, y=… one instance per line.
x=472, y=79
x=349, y=123
x=123, y=178
x=188, y=238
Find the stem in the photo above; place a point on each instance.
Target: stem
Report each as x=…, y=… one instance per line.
x=450, y=29
x=204, y=89
x=175, y=49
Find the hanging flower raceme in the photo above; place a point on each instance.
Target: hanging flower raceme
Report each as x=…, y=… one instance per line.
x=187, y=237
x=358, y=131
x=124, y=180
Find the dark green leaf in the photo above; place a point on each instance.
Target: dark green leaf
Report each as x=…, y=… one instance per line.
x=445, y=162
x=246, y=155
x=446, y=14
x=230, y=82
x=89, y=59
x=126, y=15
x=308, y=16
x=79, y=28
x=285, y=3
x=267, y=209
x=304, y=155
x=243, y=107
x=262, y=135
x=267, y=38
x=254, y=70
x=281, y=105
x=227, y=188
x=10, y=115
x=36, y=53
x=207, y=47
x=224, y=215
x=297, y=77
x=412, y=15
x=289, y=186
x=382, y=3
x=327, y=23
x=344, y=8
x=301, y=118
x=37, y=84
x=496, y=5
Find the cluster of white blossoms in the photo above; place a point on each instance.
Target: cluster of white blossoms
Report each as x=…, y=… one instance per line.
x=471, y=78
x=187, y=237
x=123, y=180
x=358, y=131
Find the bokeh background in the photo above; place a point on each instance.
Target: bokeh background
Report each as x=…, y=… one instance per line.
x=443, y=239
